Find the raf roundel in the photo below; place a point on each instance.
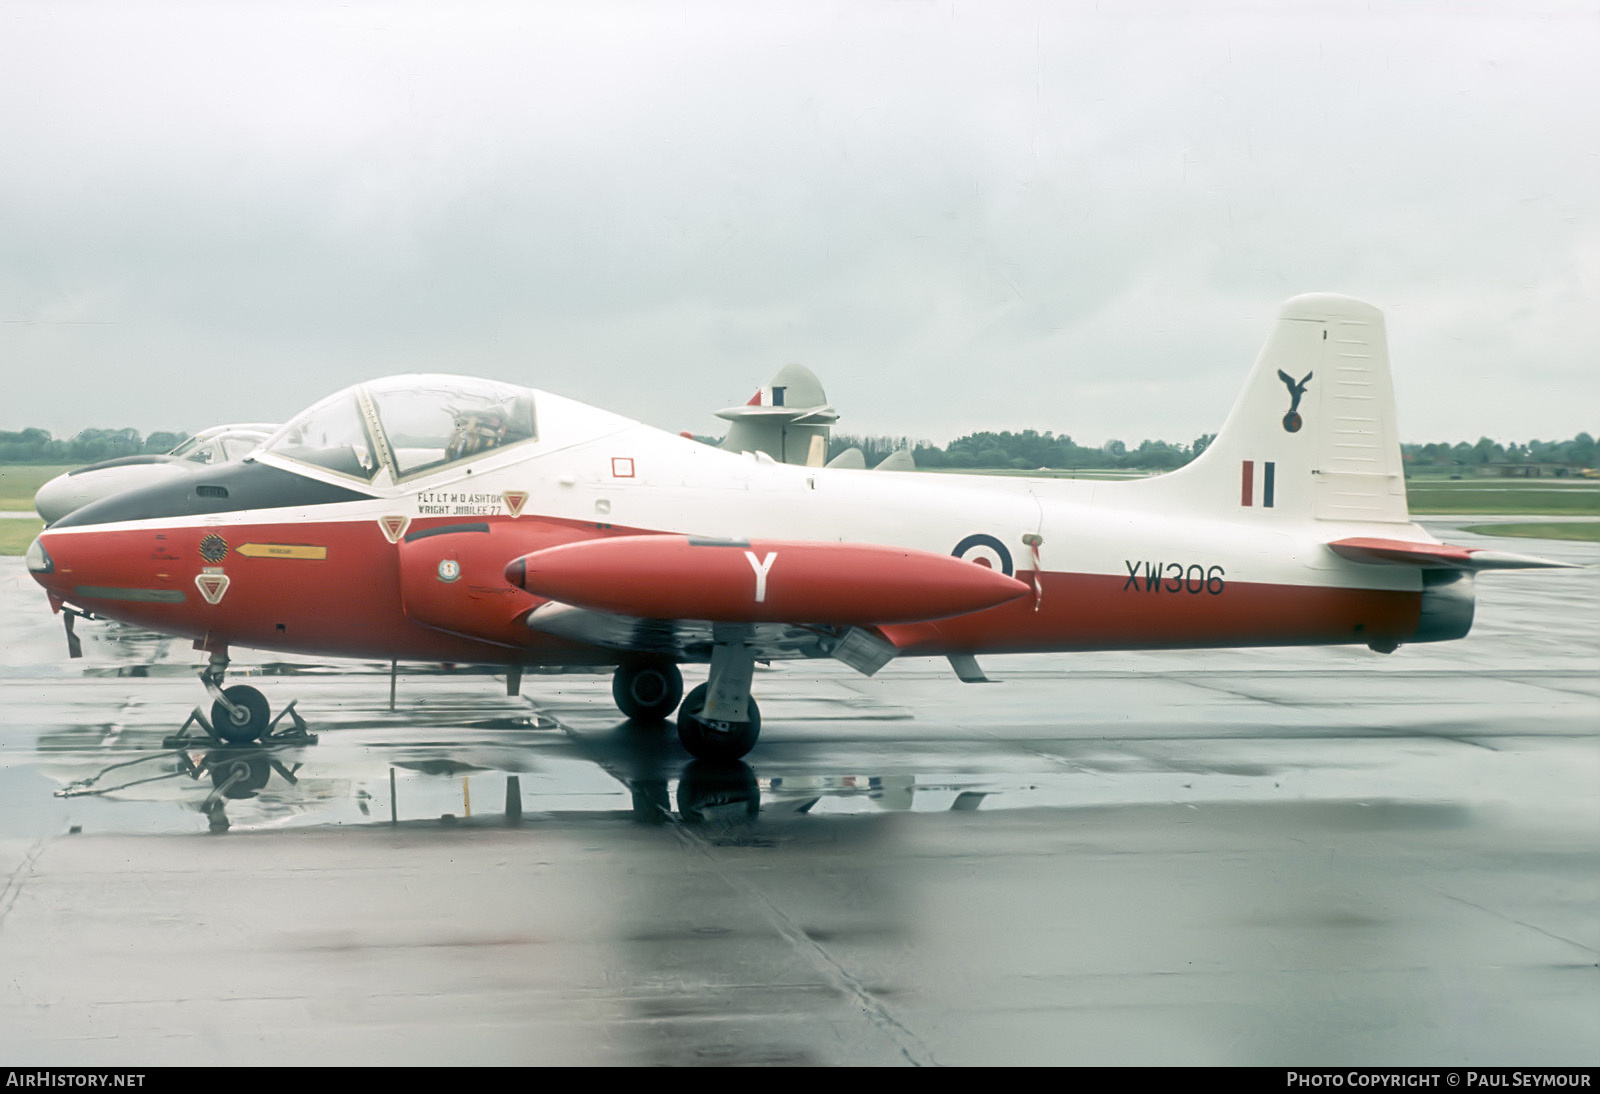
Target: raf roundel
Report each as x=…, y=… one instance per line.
x=985, y=550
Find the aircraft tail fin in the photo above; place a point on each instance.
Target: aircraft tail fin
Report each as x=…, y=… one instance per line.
x=1313, y=434
x=789, y=419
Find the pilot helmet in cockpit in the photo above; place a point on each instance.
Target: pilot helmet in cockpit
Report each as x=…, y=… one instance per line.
x=477, y=430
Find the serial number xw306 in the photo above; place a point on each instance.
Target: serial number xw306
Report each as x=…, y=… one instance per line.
x=1173, y=577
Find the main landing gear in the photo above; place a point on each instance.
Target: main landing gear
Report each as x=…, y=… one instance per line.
x=239, y=714
x=647, y=691
x=717, y=720
x=708, y=738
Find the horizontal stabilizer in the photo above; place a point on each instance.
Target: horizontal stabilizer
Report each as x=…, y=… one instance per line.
x=898, y=460
x=1401, y=552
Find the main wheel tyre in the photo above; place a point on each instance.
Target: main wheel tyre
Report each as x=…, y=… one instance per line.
x=711, y=740
x=725, y=792
x=647, y=692
x=251, y=720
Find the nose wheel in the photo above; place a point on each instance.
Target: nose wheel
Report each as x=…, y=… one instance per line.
x=239, y=714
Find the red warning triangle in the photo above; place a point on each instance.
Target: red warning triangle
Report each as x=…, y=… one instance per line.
x=212, y=586
x=515, y=500
x=393, y=527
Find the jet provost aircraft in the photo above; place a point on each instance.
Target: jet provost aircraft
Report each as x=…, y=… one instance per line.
x=209, y=448
x=449, y=519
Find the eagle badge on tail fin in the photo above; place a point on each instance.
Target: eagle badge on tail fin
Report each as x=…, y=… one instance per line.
x=1292, y=420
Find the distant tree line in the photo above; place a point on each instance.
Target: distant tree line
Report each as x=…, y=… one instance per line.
x=1578, y=452
x=1031, y=449
x=1025, y=451
x=90, y=446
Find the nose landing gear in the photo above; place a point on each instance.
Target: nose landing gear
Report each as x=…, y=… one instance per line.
x=239, y=714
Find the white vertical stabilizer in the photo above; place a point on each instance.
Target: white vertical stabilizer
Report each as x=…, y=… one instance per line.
x=1313, y=434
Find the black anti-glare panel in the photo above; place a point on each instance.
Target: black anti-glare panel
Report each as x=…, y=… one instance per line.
x=227, y=489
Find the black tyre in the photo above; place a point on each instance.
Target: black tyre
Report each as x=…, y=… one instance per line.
x=720, y=792
x=251, y=720
x=708, y=740
x=647, y=691
x=238, y=772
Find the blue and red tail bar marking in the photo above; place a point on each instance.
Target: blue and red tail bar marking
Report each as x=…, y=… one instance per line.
x=1247, y=483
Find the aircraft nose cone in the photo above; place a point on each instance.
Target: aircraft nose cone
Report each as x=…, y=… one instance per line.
x=56, y=498
x=517, y=572
x=39, y=561
x=44, y=560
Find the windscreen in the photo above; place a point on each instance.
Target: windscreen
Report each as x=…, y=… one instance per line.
x=330, y=435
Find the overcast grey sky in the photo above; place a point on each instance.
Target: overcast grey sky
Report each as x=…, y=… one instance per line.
x=962, y=216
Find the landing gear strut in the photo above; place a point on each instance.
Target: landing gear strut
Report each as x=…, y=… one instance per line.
x=239, y=714
x=647, y=691
x=718, y=719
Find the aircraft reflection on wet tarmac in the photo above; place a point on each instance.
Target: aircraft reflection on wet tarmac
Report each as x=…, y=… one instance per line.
x=207, y=782
x=286, y=783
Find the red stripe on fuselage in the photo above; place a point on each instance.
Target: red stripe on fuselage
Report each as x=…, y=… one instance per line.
x=348, y=604
x=1081, y=612
x=351, y=603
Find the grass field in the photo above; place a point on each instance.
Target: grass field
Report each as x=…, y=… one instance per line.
x=1488, y=497
x=1042, y=473
x=1510, y=497
x=19, y=482
x=15, y=535
x=1586, y=530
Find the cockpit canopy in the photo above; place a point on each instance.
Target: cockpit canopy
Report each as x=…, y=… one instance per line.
x=409, y=425
x=223, y=443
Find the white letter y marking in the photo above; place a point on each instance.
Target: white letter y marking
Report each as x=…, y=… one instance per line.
x=761, y=568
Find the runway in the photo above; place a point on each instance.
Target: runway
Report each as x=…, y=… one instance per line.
x=1263, y=857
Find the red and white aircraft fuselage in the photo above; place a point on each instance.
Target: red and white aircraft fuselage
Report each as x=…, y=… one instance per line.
x=448, y=519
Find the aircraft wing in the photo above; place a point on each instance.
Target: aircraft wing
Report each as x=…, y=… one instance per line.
x=1401, y=552
x=862, y=649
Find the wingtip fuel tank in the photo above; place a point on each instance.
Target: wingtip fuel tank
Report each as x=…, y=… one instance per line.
x=759, y=581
